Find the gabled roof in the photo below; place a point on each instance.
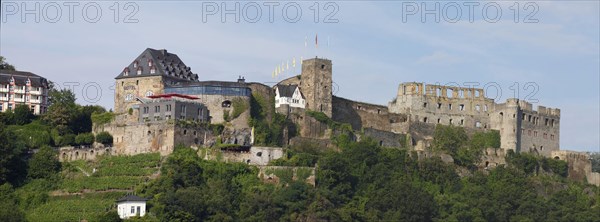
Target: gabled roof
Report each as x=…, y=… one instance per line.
x=21, y=78
x=131, y=197
x=164, y=63
x=287, y=90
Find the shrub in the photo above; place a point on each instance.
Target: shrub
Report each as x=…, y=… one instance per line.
x=102, y=118
x=239, y=106
x=66, y=140
x=104, y=138
x=84, y=139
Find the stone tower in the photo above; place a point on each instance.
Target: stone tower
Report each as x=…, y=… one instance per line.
x=506, y=119
x=316, y=84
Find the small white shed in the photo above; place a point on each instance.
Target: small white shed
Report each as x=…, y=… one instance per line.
x=130, y=206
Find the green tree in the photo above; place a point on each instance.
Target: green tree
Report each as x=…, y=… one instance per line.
x=104, y=138
x=4, y=65
x=43, y=164
x=62, y=109
x=23, y=115
x=82, y=118
x=12, y=158
x=84, y=139
x=9, y=202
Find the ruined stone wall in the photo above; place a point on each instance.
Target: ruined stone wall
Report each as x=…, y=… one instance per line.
x=540, y=129
x=492, y=158
x=137, y=87
x=363, y=115
x=580, y=166
x=446, y=105
x=71, y=153
x=505, y=119
x=259, y=156
x=386, y=138
x=265, y=176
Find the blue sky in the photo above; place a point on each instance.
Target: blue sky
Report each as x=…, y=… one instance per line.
x=372, y=48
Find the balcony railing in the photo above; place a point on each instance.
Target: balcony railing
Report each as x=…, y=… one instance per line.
x=2, y=89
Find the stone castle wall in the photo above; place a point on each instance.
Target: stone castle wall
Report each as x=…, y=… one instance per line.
x=363, y=115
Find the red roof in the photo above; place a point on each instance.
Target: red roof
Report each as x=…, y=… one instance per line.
x=169, y=95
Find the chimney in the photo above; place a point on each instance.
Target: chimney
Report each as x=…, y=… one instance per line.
x=241, y=79
x=164, y=52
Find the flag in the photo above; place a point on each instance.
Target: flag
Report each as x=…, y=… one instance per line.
x=305, y=41
x=288, y=65
x=294, y=62
x=273, y=74
x=327, y=41
x=301, y=60
x=317, y=41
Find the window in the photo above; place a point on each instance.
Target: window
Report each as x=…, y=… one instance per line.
x=551, y=136
x=1, y=104
x=462, y=121
x=461, y=107
x=132, y=209
x=449, y=106
x=546, y=121
x=425, y=119
x=485, y=108
x=139, y=70
x=152, y=70
x=10, y=107
x=169, y=107
x=439, y=106
x=128, y=97
x=478, y=124
x=529, y=118
x=450, y=121
x=146, y=109
x=157, y=109
x=439, y=120
x=183, y=110
x=477, y=108
x=424, y=105
x=149, y=93
x=226, y=104
x=27, y=82
x=535, y=133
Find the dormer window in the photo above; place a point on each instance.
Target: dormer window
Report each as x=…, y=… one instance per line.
x=152, y=69
x=126, y=71
x=139, y=70
x=150, y=63
x=135, y=64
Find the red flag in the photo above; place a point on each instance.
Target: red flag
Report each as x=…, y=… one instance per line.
x=317, y=40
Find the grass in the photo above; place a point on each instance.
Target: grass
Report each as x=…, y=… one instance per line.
x=74, y=208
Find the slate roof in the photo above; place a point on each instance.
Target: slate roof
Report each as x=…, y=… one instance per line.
x=165, y=64
x=21, y=78
x=131, y=197
x=287, y=90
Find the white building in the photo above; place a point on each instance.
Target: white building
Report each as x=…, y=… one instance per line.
x=23, y=88
x=289, y=95
x=130, y=206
